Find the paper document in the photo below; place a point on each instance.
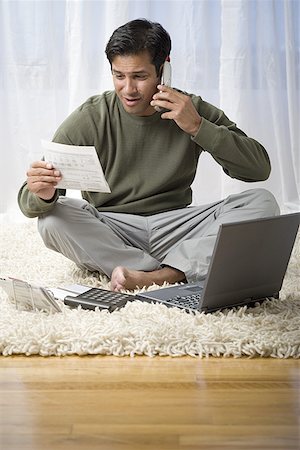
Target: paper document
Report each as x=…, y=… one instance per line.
x=79, y=166
x=27, y=297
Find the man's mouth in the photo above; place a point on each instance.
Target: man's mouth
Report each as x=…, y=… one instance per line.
x=131, y=101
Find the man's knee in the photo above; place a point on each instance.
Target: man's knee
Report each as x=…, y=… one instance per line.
x=265, y=201
x=64, y=213
x=250, y=204
x=48, y=225
x=52, y=223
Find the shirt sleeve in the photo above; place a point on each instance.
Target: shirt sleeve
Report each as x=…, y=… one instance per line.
x=31, y=204
x=74, y=130
x=240, y=156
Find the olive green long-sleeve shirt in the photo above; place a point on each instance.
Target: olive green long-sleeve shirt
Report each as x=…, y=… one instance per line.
x=150, y=163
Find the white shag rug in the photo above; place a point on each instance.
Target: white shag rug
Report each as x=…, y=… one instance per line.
x=271, y=329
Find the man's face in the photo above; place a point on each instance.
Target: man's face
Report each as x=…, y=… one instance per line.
x=135, y=82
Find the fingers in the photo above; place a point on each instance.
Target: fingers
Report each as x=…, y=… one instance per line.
x=171, y=100
x=179, y=108
x=42, y=176
x=43, y=169
x=164, y=88
x=164, y=98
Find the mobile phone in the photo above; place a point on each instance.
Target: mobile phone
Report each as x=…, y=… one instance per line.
x=166, y=74
x=165, y=78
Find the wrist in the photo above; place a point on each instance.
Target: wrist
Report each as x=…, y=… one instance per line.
x=47, y=197
x=196, y=127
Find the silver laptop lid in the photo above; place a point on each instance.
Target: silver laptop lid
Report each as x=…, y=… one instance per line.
x=249, y=261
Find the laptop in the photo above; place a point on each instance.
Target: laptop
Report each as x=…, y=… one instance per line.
x=248, y=265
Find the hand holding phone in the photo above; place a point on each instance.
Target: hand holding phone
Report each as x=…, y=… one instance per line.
x=179, y=106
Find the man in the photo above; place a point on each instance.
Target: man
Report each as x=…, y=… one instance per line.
x=145, y=232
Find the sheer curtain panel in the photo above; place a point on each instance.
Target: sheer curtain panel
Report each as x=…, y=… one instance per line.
x=241, y=55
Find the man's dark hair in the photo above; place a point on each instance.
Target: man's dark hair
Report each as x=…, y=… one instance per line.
x=137, y=36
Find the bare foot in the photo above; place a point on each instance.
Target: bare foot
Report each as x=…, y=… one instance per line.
x=123, y=278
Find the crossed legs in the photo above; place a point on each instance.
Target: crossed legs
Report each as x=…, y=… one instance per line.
x=136, y=251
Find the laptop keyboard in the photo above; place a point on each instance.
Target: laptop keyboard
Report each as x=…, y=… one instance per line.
x=189, y=301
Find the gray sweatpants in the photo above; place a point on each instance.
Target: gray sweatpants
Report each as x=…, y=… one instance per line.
x=182, y=238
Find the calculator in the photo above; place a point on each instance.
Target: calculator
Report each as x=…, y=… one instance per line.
x=99, y=298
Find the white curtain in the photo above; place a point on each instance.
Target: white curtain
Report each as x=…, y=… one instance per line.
x=241, y=55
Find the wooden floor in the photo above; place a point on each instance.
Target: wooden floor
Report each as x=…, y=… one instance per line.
x=141, y=403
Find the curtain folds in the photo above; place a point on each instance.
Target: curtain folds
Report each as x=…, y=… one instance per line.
x=241, y=55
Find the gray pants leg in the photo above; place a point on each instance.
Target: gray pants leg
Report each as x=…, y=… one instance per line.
x=183, y=239
x=195, y=240
x=93, y=241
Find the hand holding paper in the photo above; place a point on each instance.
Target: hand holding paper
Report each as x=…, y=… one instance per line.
x=79, y=166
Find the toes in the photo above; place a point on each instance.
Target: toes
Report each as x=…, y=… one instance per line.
x=118, y=279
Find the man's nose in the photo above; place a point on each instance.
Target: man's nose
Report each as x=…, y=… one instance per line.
x=130, y=86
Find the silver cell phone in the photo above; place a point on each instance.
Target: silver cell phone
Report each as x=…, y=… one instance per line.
x=166, y=74
x=165, y=78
